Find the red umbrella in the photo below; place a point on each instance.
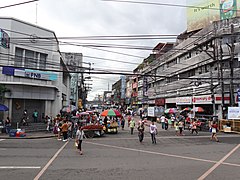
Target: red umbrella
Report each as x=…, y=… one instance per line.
x=111, y=112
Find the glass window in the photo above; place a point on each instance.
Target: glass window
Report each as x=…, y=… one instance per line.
x=18, y=57
x=43, y=61
x=29, y=58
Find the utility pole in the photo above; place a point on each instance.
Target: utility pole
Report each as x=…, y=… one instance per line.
x=231, y=87
x=221, y=77
x=212, y=93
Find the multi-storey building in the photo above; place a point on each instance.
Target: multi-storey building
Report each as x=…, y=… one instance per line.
x=32, y=70
x=201, y=70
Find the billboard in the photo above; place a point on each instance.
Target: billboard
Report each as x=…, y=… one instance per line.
x=201, y=13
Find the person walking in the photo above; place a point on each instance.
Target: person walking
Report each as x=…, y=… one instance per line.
x=79, y=139
x=122, y=123
x=65, y=130
x=214, y=129
x=180, y=127
x=194, y=126
x=163, y=121
x=140, y=129
x=35, y=116
x=8, y=125
x=153, y=132
x=132, y=125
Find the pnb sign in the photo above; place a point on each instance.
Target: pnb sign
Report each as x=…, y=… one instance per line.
x=4, y=38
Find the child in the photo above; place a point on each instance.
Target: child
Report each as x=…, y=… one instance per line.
x=79, y=139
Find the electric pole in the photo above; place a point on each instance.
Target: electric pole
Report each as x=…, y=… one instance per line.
x=231, y=87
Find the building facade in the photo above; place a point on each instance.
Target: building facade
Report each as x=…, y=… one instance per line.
x=33, y=71
x=202, y=69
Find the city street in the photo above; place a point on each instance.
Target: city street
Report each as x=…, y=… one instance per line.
x=121, y=156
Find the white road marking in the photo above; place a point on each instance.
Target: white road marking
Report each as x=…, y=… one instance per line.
x=2, y=139
x=165, y=137
x=218, y=163
x=50, y=162
x=3, y=149
x=20, y=167
x=162, y=154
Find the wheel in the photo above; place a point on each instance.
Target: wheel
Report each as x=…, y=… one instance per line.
x=90, y=134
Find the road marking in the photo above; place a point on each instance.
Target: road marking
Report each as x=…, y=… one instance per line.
x=168, y=137
x=20, y=167
x=218, y=163
x=3, y=149
x=2, y=139
x=50, y=162
x=162, y=154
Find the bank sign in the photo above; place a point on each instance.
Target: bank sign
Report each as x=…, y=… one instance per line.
x=233, y=112
x=29, y=73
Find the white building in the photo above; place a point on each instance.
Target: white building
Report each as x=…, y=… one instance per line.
x=32, y=69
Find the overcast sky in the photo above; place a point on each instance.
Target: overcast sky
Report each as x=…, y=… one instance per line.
x=77, y=18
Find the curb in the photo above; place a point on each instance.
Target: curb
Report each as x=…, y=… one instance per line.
x=28, y=137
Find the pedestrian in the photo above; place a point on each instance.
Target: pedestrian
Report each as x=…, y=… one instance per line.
x=65, y=130
x=194, y=127
x=214, y=129
x=79, y=139
x=122, y=123
x=172, y=121
x=176, y=129
x=8, y=125
x=59, y=129
x=166, y=124
x=132, y=125
x=35, y=116
x=70, y=129
x=180, y=127
x=140, y=129
x=163, y=121
x=153, y=132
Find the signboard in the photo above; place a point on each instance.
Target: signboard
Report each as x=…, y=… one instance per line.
x=123, y=86
x=151, y=111
x=202, y=99
x=201, y=13
x=233, y=112
x=184, y=100
x=145, y=86
x=29, y=73
x=5, y=39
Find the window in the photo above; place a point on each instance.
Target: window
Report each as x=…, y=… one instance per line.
x=31, y=59
x=43, y=61
x=18, y=57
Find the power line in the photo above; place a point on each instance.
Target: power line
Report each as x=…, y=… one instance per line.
x=166, y=4
x=17, y=4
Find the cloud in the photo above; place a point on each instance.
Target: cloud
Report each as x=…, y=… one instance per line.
x=94, y=18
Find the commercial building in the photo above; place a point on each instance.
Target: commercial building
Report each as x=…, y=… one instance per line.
x=202, y=69
x=32, y=70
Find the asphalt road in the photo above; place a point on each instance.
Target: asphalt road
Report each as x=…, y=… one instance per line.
x=121, y=156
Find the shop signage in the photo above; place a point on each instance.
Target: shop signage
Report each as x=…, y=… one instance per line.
x=184, y=100
x=29, y=73
x=4, y=39
x=202, y=99
x=233, y=112
x=160, y=102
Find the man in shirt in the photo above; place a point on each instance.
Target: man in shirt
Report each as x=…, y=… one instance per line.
x=153, y=132
x=132, y=125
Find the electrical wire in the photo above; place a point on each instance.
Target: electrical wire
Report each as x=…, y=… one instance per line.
x=17, y=4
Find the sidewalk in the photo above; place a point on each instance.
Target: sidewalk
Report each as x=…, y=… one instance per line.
x=29, y=135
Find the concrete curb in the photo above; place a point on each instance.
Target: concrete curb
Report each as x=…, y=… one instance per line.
x=27, y=137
